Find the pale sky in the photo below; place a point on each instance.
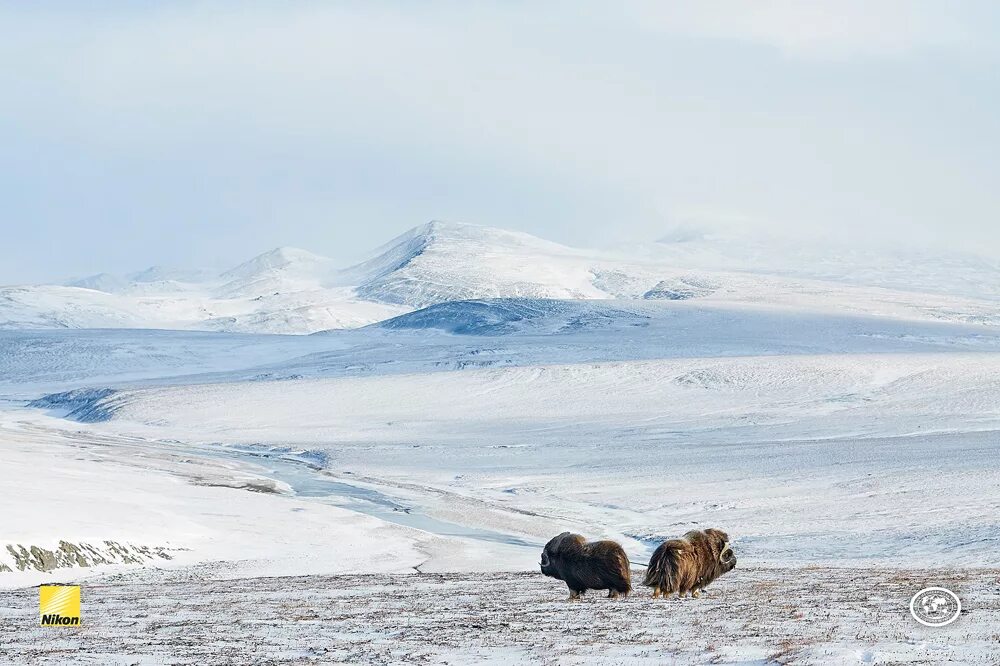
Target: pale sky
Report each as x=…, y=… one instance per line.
x=199, y=134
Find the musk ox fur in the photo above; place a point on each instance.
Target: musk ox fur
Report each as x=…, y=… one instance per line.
x=689, y=564
x=583, y=565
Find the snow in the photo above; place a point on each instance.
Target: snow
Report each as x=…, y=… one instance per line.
x=47, y=361
x=191, y=507
x=512, y=415
x=770, y=444
x=475, y=391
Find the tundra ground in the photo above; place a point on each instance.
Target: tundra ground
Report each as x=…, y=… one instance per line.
x=807, y=615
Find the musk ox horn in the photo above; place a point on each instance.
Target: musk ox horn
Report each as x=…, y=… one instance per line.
x=557, y=542
x=725, y=547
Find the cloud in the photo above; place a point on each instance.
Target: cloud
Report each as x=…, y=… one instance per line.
x=836, y=29
x=577, y=121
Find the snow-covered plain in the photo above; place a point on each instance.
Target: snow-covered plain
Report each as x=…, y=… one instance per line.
x=503, y=390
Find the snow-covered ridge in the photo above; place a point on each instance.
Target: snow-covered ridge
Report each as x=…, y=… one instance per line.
x=503, y=316
x=88, y=405
x=290, y=290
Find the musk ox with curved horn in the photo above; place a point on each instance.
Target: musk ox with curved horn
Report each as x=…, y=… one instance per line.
x=690, y=563
x=601, y=565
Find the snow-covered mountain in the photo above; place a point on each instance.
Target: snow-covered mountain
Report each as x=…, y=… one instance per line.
x=289, y=290
x=283, y=269
x=441, y=262
x=285, y=290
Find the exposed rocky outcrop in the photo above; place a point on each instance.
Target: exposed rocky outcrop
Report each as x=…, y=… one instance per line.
x=23, y=557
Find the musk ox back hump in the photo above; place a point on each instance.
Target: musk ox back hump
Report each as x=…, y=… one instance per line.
x=601, y=565
x=607, y=566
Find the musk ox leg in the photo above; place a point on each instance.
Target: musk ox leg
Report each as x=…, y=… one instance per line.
x=574, y=595
x=612, y=594
x=656, y=593
x=695, y=594
x=665, y=592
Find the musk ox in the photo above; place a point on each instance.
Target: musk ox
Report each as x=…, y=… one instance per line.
x=601, y=565
x=690, y=563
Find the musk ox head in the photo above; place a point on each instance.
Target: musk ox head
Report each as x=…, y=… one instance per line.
x=719, y=543
x=601, y=565
x=690, y=563
x=552, y=555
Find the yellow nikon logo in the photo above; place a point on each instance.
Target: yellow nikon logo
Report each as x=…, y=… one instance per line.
x=59, y=605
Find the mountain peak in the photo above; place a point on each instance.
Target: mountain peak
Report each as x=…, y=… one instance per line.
x=280, y=258
x=436, y=228
x=440, y=261
x=445, y=243
x=99, y=282
x=440, y=229
x=287, y=254
x=476, y=236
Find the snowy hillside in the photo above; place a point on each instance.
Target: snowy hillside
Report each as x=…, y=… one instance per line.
x=288, y=290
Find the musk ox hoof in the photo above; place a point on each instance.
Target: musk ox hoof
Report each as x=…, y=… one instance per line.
x=601, y=565
x=696, y=559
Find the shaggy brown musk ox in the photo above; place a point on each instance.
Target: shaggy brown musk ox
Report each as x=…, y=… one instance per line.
x=690, y=563
x=601, y=565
